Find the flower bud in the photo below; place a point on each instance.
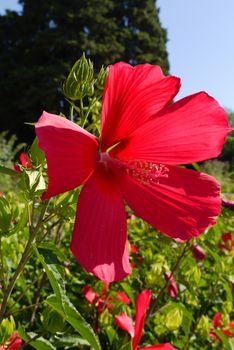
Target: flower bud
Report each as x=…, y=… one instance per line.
x=198, y=252
x=78, y=83
x=172, y=289
x=154, y=275
x=227, y=306
x=193, y=275
x=203, y=327
x=7, y=328
x=101, y=78
x=174, y=319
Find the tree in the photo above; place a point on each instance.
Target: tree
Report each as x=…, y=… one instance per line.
x=40, y=44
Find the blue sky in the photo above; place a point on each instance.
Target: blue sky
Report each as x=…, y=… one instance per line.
x=200, y=46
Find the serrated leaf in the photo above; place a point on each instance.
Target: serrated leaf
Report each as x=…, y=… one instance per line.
x=53, y=248
x=54, y=271
x=60, y=301
x=40, y=343
x=70, y=341
x=72, y=316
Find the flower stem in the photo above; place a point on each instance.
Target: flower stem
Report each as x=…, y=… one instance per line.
x=2, y=277
x=88, y=111
x=24, y=259
x=71, y=113
x=154, y=303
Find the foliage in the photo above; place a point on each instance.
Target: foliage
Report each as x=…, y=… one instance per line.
x=56, y=313
x=40, y=44
x=8, y=152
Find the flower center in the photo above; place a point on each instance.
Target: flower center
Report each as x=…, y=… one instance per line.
x=142, y=171
x=146, y=172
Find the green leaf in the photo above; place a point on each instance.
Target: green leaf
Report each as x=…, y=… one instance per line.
x=111, y=333
x=7, y=327
x=36, y=154
x=40, y=343
x=127, y=346
x=126, y=287
x=21, y=223
x=8, y=171
x=70, y=341
x=224, y=339
x=54, y=271
x=196, y=166
x=75, y=319
x=5, y=215
x=53, y=249
x=211, y=251
x=60, y=301
x=32, y=182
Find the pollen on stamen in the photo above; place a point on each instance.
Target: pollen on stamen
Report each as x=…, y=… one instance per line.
x=146, y=172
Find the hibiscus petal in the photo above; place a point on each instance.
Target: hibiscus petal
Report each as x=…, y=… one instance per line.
x=182, y=205
x=190, y=130
x=131, y=97
x=165, y=346
x=99, y=241
x=121, y=296
x=142, y=302
x=217, y=319
x=70, y=153
x=125, y=322
x=89, y=294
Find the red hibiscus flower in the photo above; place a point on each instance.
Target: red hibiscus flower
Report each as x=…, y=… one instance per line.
x=13, y=343
x=172, y=288
x=217, y=322
x=126, y=323
x=143, y=138
x=24, y=161
x=103, y=300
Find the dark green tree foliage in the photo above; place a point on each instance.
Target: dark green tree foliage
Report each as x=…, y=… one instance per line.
x=141, y=33
x=40, y=44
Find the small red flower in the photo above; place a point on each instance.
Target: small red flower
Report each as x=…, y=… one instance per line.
x=198, y=252
x=13, y=343
x=217, y=322
x=172, y=288
x=103, y=300
x=143, y=140
x=24, y=161
x=134, y=249
x=228, y=242
x=121, y=296
x=217, y=319
x=89, y=294
x=126, y=323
